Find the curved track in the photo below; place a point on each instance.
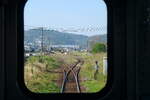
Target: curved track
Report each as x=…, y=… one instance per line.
x=70, y=83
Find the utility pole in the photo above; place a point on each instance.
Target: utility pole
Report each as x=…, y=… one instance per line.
x=42, y=40
x=87, y=46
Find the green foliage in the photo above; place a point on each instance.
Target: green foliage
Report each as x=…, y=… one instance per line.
x=43, y=87
x=95, y=85
x=44, y=82
x=98, y=47
x=41, y=83
x=32, y=60
x=49, y=62
x=88, y=70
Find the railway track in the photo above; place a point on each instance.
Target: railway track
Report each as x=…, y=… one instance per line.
x=71, y=82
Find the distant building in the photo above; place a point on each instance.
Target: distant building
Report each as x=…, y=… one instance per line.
x=30, y=47
x=65, y=47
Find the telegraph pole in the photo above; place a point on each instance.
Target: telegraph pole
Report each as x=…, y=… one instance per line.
x=42, y=40
x=87, y=45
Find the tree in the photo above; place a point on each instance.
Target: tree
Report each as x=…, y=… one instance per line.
x=98, y=47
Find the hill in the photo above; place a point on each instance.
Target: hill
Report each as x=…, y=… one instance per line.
x=98, y=38
x=60, y=38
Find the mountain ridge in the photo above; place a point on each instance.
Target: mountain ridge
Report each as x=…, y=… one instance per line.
x=54, y=37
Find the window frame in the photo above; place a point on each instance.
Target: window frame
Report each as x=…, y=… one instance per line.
x=99, y=94
x=14, y=54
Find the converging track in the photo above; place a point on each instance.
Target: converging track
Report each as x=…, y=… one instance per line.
x=70, y=83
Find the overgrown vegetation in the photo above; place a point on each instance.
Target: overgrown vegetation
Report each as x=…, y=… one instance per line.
x=98, y=48
x=88, y=70
x=37, y=78
x=40, y=81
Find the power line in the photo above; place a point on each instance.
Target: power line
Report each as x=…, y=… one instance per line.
x=72, y=29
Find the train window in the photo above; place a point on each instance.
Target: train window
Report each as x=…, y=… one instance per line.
x=65, y=46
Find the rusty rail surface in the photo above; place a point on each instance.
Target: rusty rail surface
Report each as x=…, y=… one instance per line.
x=75, y=73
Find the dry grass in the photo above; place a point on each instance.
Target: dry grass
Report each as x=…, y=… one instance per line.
x=37, y=80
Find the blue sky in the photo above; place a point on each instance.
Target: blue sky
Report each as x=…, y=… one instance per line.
x=67, y=14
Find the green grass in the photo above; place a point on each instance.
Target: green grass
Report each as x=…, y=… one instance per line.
x=87, y=72
x=94, y=86
x=41, y=81
x=42, y=84
x=51, y=63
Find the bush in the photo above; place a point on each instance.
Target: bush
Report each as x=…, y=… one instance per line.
x=49, y=62
x=98, y=47
x=32, y=59
x=41, y=83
